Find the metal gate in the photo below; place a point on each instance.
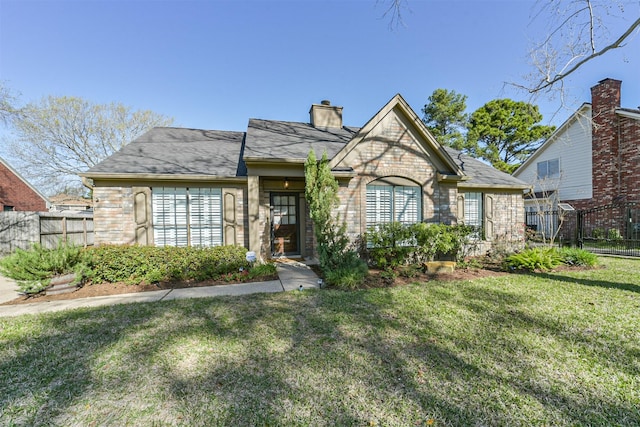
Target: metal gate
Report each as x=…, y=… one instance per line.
x=610, y=229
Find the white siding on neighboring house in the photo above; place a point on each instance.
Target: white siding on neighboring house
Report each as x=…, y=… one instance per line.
x=571, y=145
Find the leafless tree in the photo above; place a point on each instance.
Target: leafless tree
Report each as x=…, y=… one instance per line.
x=576, y=32
x=8, y=103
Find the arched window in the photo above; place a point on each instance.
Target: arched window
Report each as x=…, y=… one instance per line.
x=393, y=199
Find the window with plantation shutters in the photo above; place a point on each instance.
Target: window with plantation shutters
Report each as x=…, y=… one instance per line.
x=187, y=216
x=406, y=204
x=379, y=206
x=389, y=203
x=205, y=216
x=473, y=209
x=473, y=213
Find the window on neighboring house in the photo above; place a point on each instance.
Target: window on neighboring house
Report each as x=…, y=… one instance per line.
x=187, y=216
x=8, y=208
x=393, y=199
x=549, y=169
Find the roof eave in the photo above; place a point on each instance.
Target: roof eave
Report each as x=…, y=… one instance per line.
x=494, y=186
x=448, y=177
x=271, y=161
x=627, y=113
x=157, y=176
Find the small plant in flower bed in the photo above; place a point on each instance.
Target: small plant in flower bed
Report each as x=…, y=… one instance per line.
x=545, y=259
x=349, y=273
x=579, y=257
x=33, y=269
x=258, y=270
x=138, y=264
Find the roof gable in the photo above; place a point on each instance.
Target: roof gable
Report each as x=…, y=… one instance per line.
x=557, y=135
x=27, y=183
x=428, y=144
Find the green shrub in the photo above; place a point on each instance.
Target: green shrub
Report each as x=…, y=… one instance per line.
x=350, y=274
x=614, y=234
x=598, y=233
x=575, y=256
x=137, y=264
x=533, y=259
x=389, y=245
x=393, y=244
x=32, y=269
x=262, y=270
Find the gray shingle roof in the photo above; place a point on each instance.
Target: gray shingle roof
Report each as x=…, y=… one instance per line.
x=177, y=151
x=481, y=173
x=270, y=139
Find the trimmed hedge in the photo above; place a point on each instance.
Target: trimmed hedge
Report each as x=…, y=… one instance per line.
x=137, y=264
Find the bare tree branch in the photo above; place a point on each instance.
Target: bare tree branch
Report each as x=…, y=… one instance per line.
x=394, y=12
x=547, y=83
x=578, y=34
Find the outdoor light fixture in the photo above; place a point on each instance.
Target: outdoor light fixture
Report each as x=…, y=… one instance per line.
x=286, y=183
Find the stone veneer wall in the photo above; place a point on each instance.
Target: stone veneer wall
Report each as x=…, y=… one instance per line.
x=508, y=220
x=113, y=216
x=391, y=150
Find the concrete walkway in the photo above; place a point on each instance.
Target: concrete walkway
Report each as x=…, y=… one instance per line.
x=292, y=275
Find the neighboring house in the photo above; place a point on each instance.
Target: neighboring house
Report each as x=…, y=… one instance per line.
x=17, y=194
x=591, y=160
x=175, y=186
x=65, y=203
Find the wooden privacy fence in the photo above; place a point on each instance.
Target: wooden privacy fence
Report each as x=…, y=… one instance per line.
x=23, y=229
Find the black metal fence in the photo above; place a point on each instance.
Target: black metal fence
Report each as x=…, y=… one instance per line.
x=610, y=229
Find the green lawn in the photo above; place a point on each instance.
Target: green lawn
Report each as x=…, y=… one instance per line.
x=545, y=349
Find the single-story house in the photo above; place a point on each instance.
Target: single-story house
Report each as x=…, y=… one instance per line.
x=177, y=186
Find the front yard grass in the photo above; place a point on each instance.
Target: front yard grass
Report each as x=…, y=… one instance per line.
x=558, y=348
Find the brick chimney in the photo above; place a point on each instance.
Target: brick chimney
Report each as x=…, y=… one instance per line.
x=605, y=98
x=325, y=115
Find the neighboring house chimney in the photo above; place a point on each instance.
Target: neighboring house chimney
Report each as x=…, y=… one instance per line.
x=324, y=115
x=605, y=98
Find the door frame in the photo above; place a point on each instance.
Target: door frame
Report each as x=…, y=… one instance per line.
x=297, y=224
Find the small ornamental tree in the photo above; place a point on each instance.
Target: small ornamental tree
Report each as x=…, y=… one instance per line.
x=321, y=193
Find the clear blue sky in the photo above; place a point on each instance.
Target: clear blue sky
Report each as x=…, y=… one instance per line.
x=215, y=64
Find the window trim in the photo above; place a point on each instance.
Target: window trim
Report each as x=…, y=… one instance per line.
x=391, y=188
x=547, y=165
x=199, y=219
x=480, y=215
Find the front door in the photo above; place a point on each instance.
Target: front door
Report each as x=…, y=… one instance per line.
x=285, y=230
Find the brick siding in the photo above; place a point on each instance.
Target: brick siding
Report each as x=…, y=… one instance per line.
x=15, y=192
x=615, y=139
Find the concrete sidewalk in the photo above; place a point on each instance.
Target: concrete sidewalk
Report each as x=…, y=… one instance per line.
x=292, y=275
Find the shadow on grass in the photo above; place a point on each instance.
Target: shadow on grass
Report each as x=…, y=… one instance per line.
x=607, y=284
x=388, y=356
